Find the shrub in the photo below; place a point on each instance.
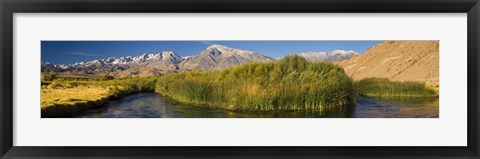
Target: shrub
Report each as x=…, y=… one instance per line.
x=50, y=76
x=107, y=77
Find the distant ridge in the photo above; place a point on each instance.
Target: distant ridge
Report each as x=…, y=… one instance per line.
x=334, y=55
x=166, y=61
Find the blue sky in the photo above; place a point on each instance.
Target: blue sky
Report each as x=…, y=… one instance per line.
x=66, y=52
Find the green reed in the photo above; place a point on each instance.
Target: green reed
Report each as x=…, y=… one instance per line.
x=382, y=87
x=289, y=84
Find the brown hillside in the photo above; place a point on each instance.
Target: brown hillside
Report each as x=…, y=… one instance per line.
x=397, y=61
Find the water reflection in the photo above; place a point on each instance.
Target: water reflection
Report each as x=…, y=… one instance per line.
x=397, y=108
x=151, y=105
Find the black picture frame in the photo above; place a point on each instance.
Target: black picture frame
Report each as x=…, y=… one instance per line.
x=8, y=7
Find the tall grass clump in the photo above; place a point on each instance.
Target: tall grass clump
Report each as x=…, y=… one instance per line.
x=382, y=87
x=289, y=84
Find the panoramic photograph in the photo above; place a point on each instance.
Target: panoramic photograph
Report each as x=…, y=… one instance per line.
x=240, y=79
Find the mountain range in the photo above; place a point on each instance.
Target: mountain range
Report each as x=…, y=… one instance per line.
x=214, y=57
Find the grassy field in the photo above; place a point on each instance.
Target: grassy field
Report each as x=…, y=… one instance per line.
x=60, y=98
x=289, y=84
x=71, y=96
x=382, y=87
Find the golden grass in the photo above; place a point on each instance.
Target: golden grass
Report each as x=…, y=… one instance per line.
x=71, y=96
x=63, y=98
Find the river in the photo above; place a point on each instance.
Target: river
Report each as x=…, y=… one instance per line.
x=151, y=105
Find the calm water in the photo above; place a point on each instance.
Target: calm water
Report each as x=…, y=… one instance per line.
x=151, y=105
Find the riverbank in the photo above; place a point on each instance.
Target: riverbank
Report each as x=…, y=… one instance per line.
x=66, y=100
x=153, y=105
x=62, y=102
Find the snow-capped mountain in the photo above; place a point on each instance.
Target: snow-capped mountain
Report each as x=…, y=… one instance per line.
x=220, y=57
x=334, y=55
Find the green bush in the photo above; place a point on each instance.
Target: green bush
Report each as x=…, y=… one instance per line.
x=107, y=77
x=50, y=76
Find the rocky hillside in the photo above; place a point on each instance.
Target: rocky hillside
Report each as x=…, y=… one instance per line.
x=397, y=61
